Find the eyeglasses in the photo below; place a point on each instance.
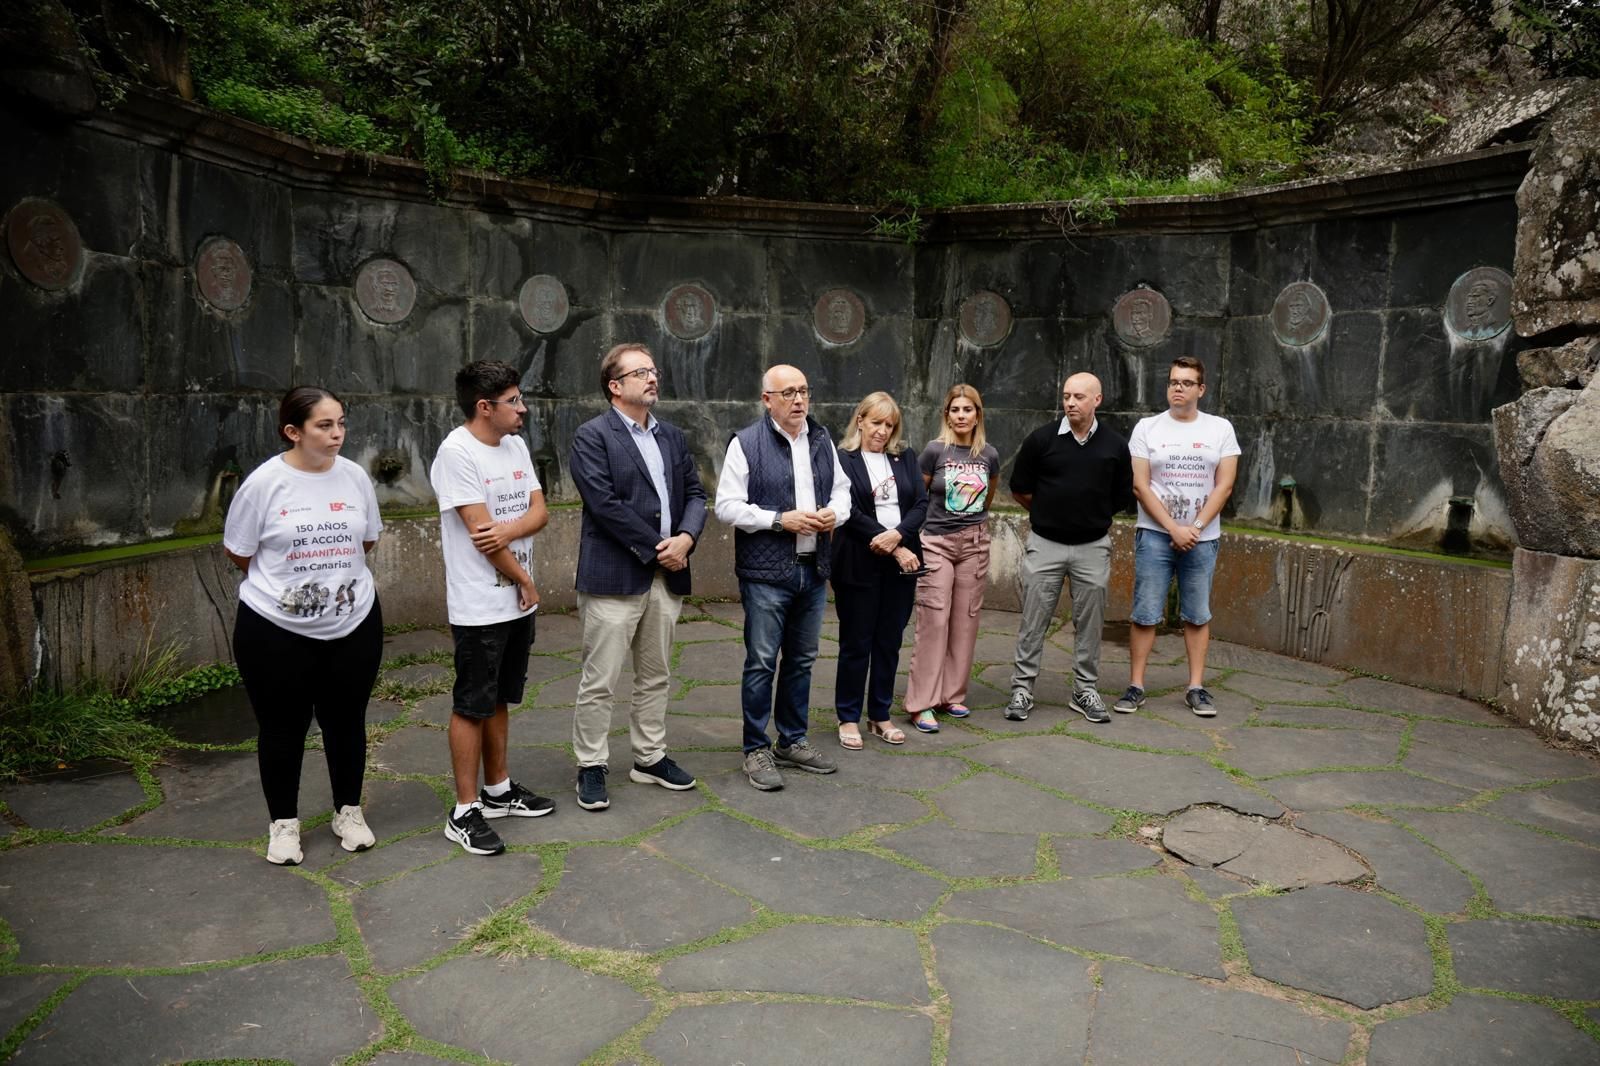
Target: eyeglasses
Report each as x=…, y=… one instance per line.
x=513, y=403
x=1176, y=383
x=802, y=391
x=643, y=373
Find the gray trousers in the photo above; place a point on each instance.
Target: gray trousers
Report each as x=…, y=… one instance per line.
x=1045, y=565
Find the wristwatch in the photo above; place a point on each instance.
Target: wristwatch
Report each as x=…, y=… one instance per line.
x=777, y=523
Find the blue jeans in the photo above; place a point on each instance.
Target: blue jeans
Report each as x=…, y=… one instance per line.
x=780, y=619
x=1154, y=564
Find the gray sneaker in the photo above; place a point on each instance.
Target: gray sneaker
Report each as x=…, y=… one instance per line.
x=1020, y=705
x=804, y=757
x=762, y=771
x=1199, y=701
x=1131, y=700
x=1088, y=703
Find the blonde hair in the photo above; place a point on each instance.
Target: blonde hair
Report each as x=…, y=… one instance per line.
x=946, y=434
x=875, y=402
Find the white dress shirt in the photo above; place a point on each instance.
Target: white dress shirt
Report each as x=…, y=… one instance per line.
x=733, y=489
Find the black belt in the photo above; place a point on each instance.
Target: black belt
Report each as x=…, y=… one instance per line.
x=806, y=557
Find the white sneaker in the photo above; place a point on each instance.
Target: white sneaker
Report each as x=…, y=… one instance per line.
x=283, y=844
x=350, y=826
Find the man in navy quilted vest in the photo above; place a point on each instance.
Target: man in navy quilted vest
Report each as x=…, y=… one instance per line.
x=783, y=491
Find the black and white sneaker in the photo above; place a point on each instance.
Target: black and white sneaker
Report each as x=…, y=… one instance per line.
x=592, y=788
x=1088, y=703
x=1020, y=705
x=663, y=772
x=1200, y=702
x=516, y=802
x=473, y=833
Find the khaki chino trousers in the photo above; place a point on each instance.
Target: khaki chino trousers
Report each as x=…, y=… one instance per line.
x=615, y=628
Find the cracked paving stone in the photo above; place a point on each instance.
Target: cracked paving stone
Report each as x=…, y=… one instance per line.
x=413, y=918
x=1275, y=689
x=1012, y=999
x=821, y=805
x=73, y=802
x=391, y=808
x=744, y=1032
x=1389, y=696
x=1335, y=717
x=21, y=994
x=794, y=879
x=1263, y=852
x=217, y=796
x=1149, y=919
x=866, y=963
x=304, y=1010
x=1353, y=946
x=966, y=852
x=1224, y=656
x=1335, y=789
x=1266, y=751
x=1516, y=754
x=1095, y=858
x=995, y=804
x=558, y=1015
x=1521, y=870
x=1571, y=809
x=1157, y=784
x=623, y=899
x=1401, y=863
x=1144, y=731
x=1214, y=884
x=154, y=905
x=1532, y=958
x=1481, y=1031
x=1144, y=1018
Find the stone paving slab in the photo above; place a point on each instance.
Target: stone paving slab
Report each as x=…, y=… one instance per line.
x=685, y=731
x=558, y=1014
x=217, y=1014
x=1353, y=946
x=794, y=879
x=1389, y=696
x=415, y=750
x=627, y=900
x=1332, y=717
x=562, y=692
x=886, y=766
x=966, y=852
x=1145, y=1018
x=1168, y=648
x=553, y=725
x=558, y=633
x=1150, y=919
x=1158, y=784
x=1095, y=858
x=74, y=802
x=877, y=964
x=995, y=804
x=21, y=994
x=435, y=710
x=1222, y=656
x=1379, y=788
x=1571, y=809
x=1401, y=863
x=709, y=699
x=390, y=860
x=1266, y=751
x=821, y=806
x=1214, y=884
x=1012, y=999
x=1521, y=870
x=1143, y=731
x=392, y=809
x=217, y=796
x=744, y=1033
x=694, y=632
x=1275, y=689
x=433, y=677
x=1532, y=958
x=1482, y=1031
x=221, y=716
x=413, y=918
x=1511, y=748
x=417, y=642
x=1262, y=852
x=154, y=906
x=407, y=1058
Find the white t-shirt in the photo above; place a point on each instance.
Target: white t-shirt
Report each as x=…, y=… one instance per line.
x=885, y=493
x=502, y=479
x=1183, y=464
x=303, y=533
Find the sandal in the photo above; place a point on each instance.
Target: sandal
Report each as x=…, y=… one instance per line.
x=887, y=732
x=958, y=710
x=925, y=722
x=850, y=741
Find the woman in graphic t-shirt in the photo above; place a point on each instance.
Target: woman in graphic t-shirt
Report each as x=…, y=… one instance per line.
x=309, y=634
x=961, y=470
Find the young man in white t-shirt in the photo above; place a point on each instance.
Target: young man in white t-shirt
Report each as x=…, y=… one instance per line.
x=490, y=506
x=1184, y=464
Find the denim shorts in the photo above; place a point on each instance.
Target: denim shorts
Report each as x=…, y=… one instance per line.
x=491, y=665
x=1155, y=563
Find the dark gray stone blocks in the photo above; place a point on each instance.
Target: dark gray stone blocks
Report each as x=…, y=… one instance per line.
x=649, y=265
x=1012, y=998
x=879, y=273
x=876, y=964
x=990, y=803
x=333, y=237
x=75, y=802
x=86, y=341
x=1481, y=1031
x=1434, y=247
x=1401, y=863
x=1530, y=958
x=1521, y=870
x=744, y=1032
x=347, y=352
x=413, y=918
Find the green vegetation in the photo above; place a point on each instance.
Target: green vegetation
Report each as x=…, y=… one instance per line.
x=895, y=103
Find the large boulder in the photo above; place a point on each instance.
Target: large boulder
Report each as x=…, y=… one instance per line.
x=1544, y=522
x=1556, y=280
x=1570, y=366
x=1507, y=119
x=1550, y=673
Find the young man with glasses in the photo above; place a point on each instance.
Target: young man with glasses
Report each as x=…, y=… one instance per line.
x=1184, y=465
x=783, y=491
x=490, y=506
x=643, y=510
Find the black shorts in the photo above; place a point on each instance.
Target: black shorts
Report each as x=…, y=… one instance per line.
x=491, y=665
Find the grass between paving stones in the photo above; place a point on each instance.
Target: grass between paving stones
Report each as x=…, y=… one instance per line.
x=1235, y=960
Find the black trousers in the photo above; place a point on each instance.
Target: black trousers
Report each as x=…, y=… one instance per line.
x=872, y=619
x=291, y=679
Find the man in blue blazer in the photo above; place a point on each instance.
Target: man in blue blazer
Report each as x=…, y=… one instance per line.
x=643, y=510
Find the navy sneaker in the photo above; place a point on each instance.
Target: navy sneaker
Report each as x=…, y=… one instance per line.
x=592, y=788
x=1199, y=701
x=663, y=772
x=1130, y=700
x=517, y=802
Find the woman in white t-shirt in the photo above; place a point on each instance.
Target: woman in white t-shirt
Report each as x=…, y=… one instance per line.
x=309, y=634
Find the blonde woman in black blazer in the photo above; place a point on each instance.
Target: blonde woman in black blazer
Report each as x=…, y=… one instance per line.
x=876, y=555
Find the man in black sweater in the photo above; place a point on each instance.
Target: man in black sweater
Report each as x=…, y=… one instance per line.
x=1071, y=476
